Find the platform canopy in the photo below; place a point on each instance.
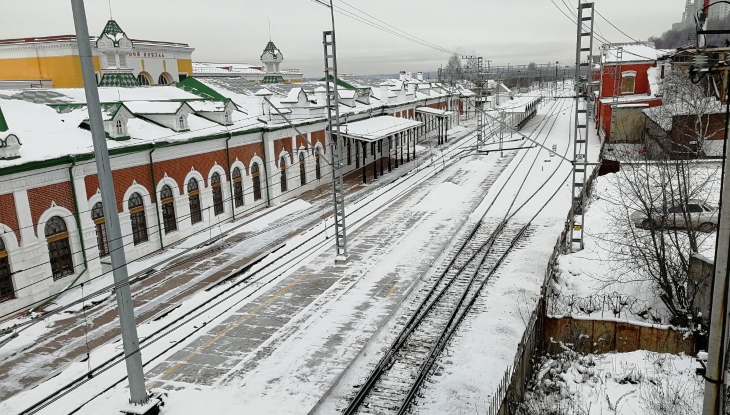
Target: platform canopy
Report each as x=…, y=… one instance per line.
x=434, y=111
x=377, y=128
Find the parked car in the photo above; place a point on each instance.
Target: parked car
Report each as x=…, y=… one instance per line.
x=699, y=214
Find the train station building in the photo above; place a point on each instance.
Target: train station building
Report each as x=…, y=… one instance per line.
x=185, y=158
x=53, y=61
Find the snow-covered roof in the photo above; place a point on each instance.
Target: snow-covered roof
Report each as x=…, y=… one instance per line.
x=433, y=111
x=632, y=52
x=78, y=96
x=223, y=68
x=518, y=104
x=623, y=99
x=664, y=114
x=377, y=128
x=147, y=107
x=207, y=106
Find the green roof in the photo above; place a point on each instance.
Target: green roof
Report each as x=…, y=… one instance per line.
x=3, y=123
x=340, y=82
x=192, y=85
x=123, y=80
x=273, y=79
x=113, y=30
x=271, y=47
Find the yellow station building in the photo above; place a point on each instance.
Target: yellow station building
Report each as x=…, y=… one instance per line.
x=53, y=61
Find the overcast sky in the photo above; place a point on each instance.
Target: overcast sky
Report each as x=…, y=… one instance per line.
x=505, y=31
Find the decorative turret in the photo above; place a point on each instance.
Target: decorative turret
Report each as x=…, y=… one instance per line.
x=272, y=57
x=114, y=45
x=9, y=143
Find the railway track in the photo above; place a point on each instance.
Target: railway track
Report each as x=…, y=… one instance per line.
x=442, y=304
x=255, y=279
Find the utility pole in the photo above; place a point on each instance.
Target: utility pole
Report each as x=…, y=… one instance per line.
x=333, y=120
x=130, y=340
x=580, y=126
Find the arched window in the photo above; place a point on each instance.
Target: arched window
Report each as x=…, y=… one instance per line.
x=7, y=292
x=215, y=182
x=317, y=165
x=59, y=248
x=256, y=176
x=194, y=196
x=181, y=122
x=120, y=128
x=139, y=221
x=143, y=80
x=302, y=170
x=168, y=209
x=237, y=187
x=162, y=80
x=282, y=166
x=97, y=215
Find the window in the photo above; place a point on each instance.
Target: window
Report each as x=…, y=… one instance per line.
x=372, y=148
x=628, y=82
x=97, y=215
x=168, y=209
x=183, y=76
x=694, y=208
x=194, y=198
x=120, y=128
x=282, y=166
x=317, y=166
x=143, y=80
x=7, y=292
x=181, y=122
x=111, y=60
x=122, y=60
x=215, y=181
x=139, y=221
x=162, y=80
x=256, y=176
x=59, y=248
x=380, y=146
x=237, y=187
x=227, y=117
x=302, y=170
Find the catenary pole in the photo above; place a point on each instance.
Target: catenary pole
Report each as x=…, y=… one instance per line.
x=130, y=340
x=713, y=403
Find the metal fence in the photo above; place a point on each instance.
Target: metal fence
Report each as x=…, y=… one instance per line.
x=511, y=388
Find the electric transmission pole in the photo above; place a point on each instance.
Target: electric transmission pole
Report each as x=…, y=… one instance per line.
x=333, y=120
x=581, y=121
x=130, y=341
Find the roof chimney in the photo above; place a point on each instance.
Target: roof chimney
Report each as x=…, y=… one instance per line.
x=403, y=76
x=419, y=76
x=384, y=91
x=264, y=108
x=320, y=95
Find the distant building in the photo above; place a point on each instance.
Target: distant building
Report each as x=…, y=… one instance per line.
x=269, y=73
x=53, y=61
x=629, y=83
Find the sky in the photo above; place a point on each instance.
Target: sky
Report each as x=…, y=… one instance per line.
x=504, y=31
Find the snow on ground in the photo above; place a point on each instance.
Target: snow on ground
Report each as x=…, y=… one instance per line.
x=475, y=360
x=592, y=284
x=280, y=271
x=636, y=383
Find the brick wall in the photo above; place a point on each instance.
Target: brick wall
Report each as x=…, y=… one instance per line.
x=246, y=153
x=40, y=199
x=319, y=137
x=177, y=169
x=302, y=141
x=8, y=215
x=123, y=179
x=280, y=145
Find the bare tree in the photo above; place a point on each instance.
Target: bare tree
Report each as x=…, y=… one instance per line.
x=453, y=70
x=653, y=231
